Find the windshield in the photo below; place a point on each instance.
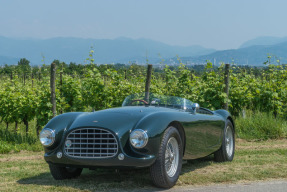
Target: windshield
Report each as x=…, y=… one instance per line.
x=152, y=99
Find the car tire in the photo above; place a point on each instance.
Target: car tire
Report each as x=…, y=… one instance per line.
x=167, y=167
x=61, y=173
x=226, y=151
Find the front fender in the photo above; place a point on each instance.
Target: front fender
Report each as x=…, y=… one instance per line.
x=155, y=124
x=60, y=124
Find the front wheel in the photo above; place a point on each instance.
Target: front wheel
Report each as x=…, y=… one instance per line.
x=167, y=167
x=60, y=173
x=226, y=151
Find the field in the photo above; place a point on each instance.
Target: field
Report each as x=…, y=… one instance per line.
x=264, y=160
x=257, y=100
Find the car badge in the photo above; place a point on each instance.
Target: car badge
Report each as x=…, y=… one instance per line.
x=68, y=143
x=95, y=121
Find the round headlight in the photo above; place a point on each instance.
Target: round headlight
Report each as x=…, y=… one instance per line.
x=138, y=138
x=47, y=137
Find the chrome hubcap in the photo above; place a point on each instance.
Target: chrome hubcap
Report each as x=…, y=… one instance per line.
x=171, y=157
x=229, y=141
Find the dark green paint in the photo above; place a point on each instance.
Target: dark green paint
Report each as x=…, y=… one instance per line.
x=203, y=133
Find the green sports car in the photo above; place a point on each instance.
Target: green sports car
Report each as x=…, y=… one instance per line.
x=149, y=130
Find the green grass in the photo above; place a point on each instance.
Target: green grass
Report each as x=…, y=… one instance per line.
x=264, y=160
x=7, y=147
x=21, y=127
x=17, y=138
x=11, y=141
x=260, y=126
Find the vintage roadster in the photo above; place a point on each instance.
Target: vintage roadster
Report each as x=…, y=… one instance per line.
x=149, y=130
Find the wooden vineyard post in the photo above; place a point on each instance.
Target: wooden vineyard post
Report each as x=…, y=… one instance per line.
x=147, y=84
x=226, y=82
x=53, y=88
x=32, y=77
x=61, y=85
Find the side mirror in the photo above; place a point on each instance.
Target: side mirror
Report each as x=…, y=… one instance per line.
x=195, y=107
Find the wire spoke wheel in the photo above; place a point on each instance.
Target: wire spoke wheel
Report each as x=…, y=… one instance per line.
x=229, y=141
x=226, y=151
x=166, y=169
x=171, y=157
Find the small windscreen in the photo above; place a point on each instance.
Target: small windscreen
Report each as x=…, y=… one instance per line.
x=141, y=99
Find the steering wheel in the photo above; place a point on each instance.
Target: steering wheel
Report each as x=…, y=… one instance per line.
x=141, y=100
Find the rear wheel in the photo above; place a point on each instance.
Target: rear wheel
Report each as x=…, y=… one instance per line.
x=226, y=151
x=166, y=169
x=60, y=173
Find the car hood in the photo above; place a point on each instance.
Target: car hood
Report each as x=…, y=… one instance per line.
x=115, y=119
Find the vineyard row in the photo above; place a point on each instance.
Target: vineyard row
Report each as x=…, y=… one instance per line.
x=27, y=97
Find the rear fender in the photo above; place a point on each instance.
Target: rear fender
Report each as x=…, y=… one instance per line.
x=227, y=116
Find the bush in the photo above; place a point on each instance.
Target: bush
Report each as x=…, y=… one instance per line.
x=260, y=126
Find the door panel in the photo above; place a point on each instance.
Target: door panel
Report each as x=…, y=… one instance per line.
x=195, y=139
x=203, y=133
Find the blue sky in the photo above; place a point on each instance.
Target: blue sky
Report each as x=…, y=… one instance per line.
x=219, y=24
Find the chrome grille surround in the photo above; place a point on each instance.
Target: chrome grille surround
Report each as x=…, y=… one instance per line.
x=91, y=143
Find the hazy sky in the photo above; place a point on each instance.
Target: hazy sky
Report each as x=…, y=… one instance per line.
x=220, y=24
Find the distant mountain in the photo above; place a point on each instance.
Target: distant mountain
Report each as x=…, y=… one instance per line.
x=123, y=50
x=5, y=60
x=254, y=55
x=264, y=41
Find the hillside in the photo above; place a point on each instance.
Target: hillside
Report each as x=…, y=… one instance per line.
x=263, y=41
x=254, y=55
x=123, y=50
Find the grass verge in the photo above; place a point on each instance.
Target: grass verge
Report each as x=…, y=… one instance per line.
x=260, y=126
x=15, y=142
x=27, y=171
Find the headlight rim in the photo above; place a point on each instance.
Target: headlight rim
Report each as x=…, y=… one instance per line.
x=53, y=136
x=145, y=136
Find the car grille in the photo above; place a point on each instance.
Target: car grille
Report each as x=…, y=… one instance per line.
x=91, y=143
